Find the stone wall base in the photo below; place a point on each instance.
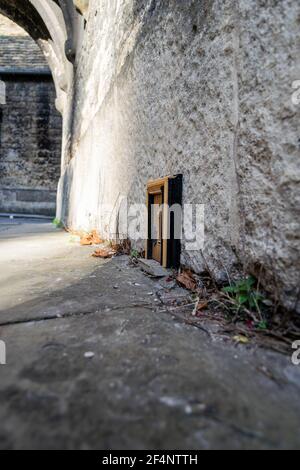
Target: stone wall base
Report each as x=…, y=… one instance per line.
x=28, y=201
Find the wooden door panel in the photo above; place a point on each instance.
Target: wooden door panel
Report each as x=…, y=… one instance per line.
x=163, y=246
x=157, y=227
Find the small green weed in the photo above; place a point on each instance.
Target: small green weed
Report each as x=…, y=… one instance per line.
x=57, y=223
x=245, y=298
x=134, y=254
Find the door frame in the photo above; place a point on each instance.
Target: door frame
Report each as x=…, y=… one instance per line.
x=171, y=189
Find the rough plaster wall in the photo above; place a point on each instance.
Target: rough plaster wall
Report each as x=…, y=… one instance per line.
x=198, y=88
x=30, y=139
x=268, y=141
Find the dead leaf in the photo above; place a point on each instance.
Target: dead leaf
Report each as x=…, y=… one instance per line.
x=96, y=238
x=187, y=280
x=125, y=247
x=241, y=339
x=199, y=306
x=86, y=241
x=104, y=253
x=202, y=306
x=117, y=248
x=89, y=239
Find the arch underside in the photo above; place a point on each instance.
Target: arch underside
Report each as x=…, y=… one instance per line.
x=52, y=24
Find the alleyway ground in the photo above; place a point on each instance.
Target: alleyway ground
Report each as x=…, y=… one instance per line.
x=153, y=383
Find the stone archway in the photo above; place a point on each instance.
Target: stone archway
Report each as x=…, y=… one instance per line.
x=54, y=25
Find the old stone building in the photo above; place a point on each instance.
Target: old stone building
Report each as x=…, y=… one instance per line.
x=30, y=126
x=202, y=88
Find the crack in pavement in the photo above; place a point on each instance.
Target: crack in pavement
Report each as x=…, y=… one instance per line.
x=72, y=314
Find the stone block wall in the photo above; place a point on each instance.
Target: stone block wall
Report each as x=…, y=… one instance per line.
x=202, y=88
x=30, y=126
x=30, y=146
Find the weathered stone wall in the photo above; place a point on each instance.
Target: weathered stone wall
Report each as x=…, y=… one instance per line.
x=201, y=88
x=30, y=143
x=268, y=145
x=30, y=126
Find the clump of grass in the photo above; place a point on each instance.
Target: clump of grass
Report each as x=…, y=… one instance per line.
x=134, y=254
x=244, y=293
x=57, y=223
x=245, y=300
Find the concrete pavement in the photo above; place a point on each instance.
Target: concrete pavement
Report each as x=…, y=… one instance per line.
x=94, y=361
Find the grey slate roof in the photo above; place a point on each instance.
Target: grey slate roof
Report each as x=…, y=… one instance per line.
x=21, y=53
